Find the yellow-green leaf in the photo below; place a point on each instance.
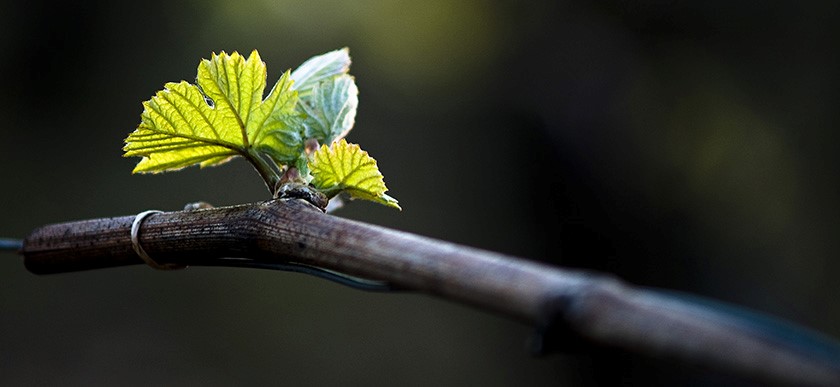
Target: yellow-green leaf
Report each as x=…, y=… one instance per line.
x=220, y=117
x=233, y=82
x=179, y=129
x=346, y=167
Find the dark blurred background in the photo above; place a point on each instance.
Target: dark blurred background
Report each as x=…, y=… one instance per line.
x=683, y=145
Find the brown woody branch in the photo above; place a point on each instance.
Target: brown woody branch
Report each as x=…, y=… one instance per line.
x=566, y=305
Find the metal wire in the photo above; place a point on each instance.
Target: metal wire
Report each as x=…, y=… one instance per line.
x=15, y=245
x=8, y=244
x=329, y=275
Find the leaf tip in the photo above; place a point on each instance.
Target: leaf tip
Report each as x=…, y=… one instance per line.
x=390, y=201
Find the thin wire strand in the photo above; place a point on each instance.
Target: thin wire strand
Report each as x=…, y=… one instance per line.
x=329, y=275
x=135, y=243
x=9, y=244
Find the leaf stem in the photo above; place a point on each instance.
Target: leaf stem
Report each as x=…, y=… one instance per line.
x=268, y=172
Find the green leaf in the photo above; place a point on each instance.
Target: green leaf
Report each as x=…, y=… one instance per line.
x=220, y=117
x=274, y=127
x=331, y=109
x=179, y=129
x=346, y=167
x=234, y=83
x=320, y=68
x=329, y=97
x=224, y=115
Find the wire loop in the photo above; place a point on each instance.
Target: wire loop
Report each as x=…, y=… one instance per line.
x=135, y=243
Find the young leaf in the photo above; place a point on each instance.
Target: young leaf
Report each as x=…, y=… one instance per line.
x=346, y=167
x=320, y=68
x=331, y=109
x=273, y=127
x=179, y=129
x=223, y=116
